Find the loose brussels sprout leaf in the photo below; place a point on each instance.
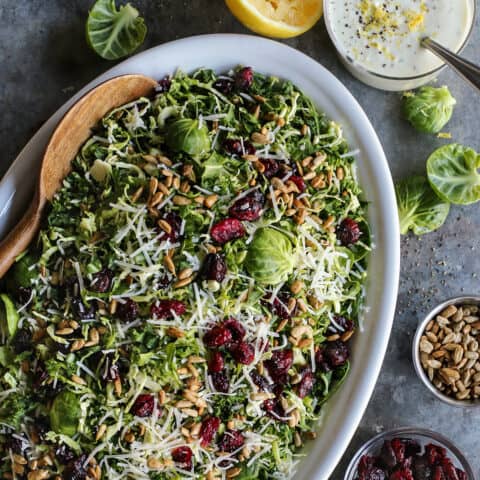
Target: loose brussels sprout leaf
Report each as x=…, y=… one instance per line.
x=270, y=258
x=452, y=173
x=429, y=108
x=186, y=135
x=213, y=168
x=100, y=170
x=20, y=274
x=419, y=207
x=65, y=413
x=8, y=316
x=114, y=33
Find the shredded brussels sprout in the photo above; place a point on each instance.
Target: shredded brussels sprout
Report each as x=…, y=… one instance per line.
x=187, y=305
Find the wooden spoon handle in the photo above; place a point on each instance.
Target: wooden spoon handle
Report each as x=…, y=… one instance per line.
x=70, y=134
x=20, y=237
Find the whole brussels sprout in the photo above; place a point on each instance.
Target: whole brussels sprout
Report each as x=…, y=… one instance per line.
x=429, y=108
x=186, y=135
x=65, y=413
x=270, y=257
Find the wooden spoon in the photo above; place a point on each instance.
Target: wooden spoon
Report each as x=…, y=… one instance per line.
x=71, y=133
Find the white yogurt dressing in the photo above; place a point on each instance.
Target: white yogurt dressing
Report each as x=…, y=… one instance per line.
x=384, y=37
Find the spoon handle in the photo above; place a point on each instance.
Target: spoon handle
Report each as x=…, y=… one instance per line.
x=468, y=70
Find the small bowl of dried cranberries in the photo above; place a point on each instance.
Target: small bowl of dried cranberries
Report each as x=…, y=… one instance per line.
x=409, y=454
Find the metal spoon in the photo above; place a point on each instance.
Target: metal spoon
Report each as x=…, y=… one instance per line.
x=468, y=70
x=70, y=134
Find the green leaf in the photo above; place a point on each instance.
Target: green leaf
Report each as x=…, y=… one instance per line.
x=113, y=33
x=429, y=108
x=419, y=207
x=8, y=315
x=65, y=413
x=453, y=174
x=21, y=273
x=213, y=168
x=14, y=408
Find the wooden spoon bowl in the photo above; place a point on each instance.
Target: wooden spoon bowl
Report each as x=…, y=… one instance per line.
x=71, y=133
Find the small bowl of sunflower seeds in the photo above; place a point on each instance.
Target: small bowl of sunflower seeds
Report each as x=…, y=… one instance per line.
x=446, y=351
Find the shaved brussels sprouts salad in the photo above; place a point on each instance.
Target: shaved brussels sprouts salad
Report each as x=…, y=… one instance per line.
x=186, y=308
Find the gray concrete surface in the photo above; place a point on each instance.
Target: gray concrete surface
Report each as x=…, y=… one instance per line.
x=44, y=59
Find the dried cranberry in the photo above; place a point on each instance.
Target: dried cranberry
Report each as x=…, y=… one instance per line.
x=434, y=453
x=231, y=440
x=167, y=308
x=260, y=381
x=163, y=85
x=374, y=473
x=336, y=353
x=127, y=310
x=64, y=454
x=15, y=444
x=233, y=146
x=438, y=473
x=216, y=363
x=236, y=329
x=271, y=167
x=412, y=447
x=23, y=294
x=274, y=409
x=365, y=464
x=75, y=469
x=249, y=148
x=40, y=375
x=22, y=341
x=217, y=336
x=348, y=232
x=299, y=182
x=421, y=469
x=321, y=362
x=208, y=430
x=244, y=78
x=387, y=455
x=82, y=311
x=214, y=267
x=223, y=85
x=279, y=306
x=175, y=222
x=183, y=457
x=279, y=364
x=249, y=207
x=243, y=353
x=305, y=386
x=143, y=406
x=344, y=323
x=449, y=470
x=399, y=449
x=220, y=382
x=461, y=475
x=402, y=474
x=102, y=281
x=227, y=230
x=164, y=282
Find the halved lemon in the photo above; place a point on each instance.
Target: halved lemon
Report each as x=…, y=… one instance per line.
x=277, y=18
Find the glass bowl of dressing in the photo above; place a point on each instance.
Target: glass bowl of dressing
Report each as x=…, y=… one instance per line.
x=379, y=41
